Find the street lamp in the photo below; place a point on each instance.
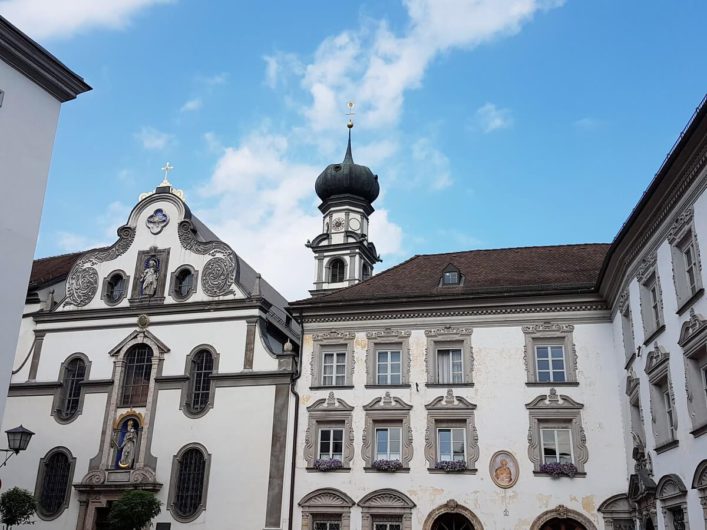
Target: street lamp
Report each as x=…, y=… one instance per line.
x=17, y=440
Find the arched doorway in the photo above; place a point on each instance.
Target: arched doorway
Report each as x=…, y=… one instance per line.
x=563, y=524
x=452, y=521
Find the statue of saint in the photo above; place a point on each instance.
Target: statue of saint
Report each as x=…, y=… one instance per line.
x=503, y=473
x=149, y=278
x=127, y=446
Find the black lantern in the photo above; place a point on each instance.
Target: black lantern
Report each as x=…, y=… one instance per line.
x=18, y=438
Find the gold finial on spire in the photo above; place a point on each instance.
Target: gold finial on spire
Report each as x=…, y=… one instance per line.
x=350, y=113
x=167, y=168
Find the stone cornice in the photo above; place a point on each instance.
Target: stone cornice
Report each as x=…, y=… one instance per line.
x=37, y=64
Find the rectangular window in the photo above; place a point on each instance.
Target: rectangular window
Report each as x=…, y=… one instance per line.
x=550, y=364
x=451, y=444
x=704, y=380
x=331, y=444
x=450, y=367
x=667, y=403
x=327, y=525
x=557, y=446
x=450, y=278
x=688, y=253
x=388, y=368
x=387, y=526
x=388, y=444
x=655, y=307
x=334, y=369
x=627, y=329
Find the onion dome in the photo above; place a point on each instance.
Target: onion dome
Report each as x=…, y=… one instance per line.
x=347, y=178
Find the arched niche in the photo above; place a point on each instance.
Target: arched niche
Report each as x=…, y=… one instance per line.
x=562, y=512
x=326, y=503
x=452, y=506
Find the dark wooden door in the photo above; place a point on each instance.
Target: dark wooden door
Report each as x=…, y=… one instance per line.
x=563, y=524
x=452, y=521
x=102, y=518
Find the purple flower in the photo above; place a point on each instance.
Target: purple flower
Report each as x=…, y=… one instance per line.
x=451, y=465
x=387, y=465
x=327, y=464
x=557, y=470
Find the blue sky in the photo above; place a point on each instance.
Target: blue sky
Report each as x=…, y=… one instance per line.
x=491, y=123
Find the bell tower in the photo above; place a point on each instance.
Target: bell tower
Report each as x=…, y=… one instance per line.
x=343, y=255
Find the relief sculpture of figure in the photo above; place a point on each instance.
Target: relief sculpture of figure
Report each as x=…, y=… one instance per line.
x=503, y=473
x=149, y=278
x=127, y=446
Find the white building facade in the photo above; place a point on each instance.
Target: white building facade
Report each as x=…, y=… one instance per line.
x=160, y=363
x=33, y=85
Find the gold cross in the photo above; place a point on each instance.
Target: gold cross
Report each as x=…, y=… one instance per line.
x=167, y=168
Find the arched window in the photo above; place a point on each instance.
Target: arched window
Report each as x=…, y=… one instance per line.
x=115, y=289
x=189, y=476
x=337, y=271
x=54, y=478
x=202, y=366
x=136, y=376
x=74, y=374
x=365, y=272
x=183, y=283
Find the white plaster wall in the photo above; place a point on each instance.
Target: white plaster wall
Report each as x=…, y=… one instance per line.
x=28, y=120
x=502, y=422
x=237, y=433
x=81, y=437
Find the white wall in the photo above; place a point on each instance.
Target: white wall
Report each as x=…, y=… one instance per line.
x=28, y=120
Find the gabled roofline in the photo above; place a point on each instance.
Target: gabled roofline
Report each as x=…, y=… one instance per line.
x=37, y=64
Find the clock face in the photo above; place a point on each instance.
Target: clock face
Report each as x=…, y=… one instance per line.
x=338, y=224
x=354, y=224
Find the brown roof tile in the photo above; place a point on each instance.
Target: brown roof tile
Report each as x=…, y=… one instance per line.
x=46, y=271
x=527, y=269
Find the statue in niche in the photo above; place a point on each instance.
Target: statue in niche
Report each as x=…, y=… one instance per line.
x=149, y=278
x=126, y=447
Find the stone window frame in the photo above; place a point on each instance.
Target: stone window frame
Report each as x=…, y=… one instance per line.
x=387, y=339
x=562, y=512
x=386, y=503
x=59, y=394
x=328, y=342
x=647, y=276
x=633, y=385
x=326, y=502
x=617, y=512
x=444, y=411
x=627, y=331
x=658, y=371
x=386, y=411
x=672, y=494
x=550, y=334
x=322, y=414
x=680, y=236
x=186, y=386
x=173, y=482
x=329, y=263
x=693, y=341
x=104, y=287
x=556, y=411
x=699, y=482
x=40, y=479
x=449, y=337
x=173, y=283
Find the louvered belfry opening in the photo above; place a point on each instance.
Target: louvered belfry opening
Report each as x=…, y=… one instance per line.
x=190, y=482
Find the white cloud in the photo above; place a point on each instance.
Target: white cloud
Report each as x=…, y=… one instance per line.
x=431, y=165
x=213, y=80
x=192, y=105
x=114, y=216
x=492, y=118
x=152, y=139
x=280, y=66
x=47, y=19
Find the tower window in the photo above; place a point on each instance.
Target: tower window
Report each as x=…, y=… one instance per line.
x=365, y=272
x=337, y=271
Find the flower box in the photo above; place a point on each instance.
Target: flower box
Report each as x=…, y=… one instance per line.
x=559, y=470
x=387, y=465
x=327, y=464
x=451, y=466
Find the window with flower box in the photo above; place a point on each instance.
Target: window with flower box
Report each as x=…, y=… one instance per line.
x=452, y=442
x=331, y=443
x=388, y=443
x=329, y=437
x=387, y=435
x=557, y=446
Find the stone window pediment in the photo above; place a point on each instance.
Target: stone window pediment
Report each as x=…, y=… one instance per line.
x=672, y=494
x=669, y=487
x=448, y=341
x=388, y=340
x=693, y=341
x=330, y=413
x=686, y=262
x=693, y=333
x=447, y=411
x=328, y=503
x=387, y=411
x=699, y=481
x=651, y=297
x=386, y=503
x=545, y=343
x=657, y=362
x=332, y=342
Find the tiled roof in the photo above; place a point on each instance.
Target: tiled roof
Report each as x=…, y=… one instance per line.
x=527, y=269
x=46, y=271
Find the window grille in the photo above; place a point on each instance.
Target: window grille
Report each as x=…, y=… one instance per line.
x=387, y=525
x=327, y=525
x=55, y=483
x=202, y=366
x=190, y=482
x=74, y=374
x=136, y=376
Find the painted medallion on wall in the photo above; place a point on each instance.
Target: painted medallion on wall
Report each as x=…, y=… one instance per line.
x=503, y=469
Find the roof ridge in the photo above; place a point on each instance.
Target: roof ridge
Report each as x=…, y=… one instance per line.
x=511, y=248
x=62, y=255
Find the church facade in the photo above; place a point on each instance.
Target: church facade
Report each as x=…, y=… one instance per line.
x=542, y=388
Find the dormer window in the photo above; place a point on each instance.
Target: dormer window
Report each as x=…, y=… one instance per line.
x=451, y=276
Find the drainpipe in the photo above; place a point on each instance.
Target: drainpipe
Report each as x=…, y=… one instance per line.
x=293, y=465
